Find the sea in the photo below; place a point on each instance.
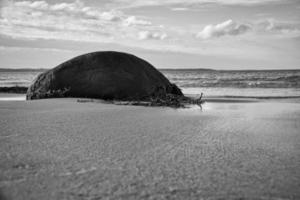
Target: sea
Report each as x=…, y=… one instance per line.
x=212, y=83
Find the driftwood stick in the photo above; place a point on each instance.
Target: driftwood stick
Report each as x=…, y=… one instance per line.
x=201, y=96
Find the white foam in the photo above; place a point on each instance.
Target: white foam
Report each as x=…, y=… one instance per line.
x=13, y=98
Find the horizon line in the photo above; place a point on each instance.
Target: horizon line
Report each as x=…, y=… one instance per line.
x=179, y=69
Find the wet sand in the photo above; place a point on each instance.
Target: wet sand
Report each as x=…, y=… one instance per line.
x=63, y=149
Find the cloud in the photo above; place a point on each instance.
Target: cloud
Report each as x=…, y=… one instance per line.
x=132, y=20
x=232, y=28
x=76, y=8
x=13, y=49
x=179, y=9
x=145, y=35
x=69, y=21
x=110, y=15
x=35, y=5
x=228, y=27
x=276, y=27
x=76, y=21
x=146, y=3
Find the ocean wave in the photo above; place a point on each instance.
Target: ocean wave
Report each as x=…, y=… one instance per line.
x=288, y=78
x=274, y=82
x=236, y=79
x=256, y=97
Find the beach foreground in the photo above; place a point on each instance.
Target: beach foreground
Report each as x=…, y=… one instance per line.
x=63, y=149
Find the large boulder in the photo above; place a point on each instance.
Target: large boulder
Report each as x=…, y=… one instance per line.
x=104, y=75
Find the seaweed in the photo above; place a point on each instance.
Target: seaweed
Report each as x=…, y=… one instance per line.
x=161, y=96
x=168, y=100
x=60, y=93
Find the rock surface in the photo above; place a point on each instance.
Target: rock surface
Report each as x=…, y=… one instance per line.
x=104, y=75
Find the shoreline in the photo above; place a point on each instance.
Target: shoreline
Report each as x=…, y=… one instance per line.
x=10, y=96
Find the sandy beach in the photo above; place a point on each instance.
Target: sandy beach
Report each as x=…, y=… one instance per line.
x=63, y=149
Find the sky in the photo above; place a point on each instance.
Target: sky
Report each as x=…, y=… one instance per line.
x=217, y=34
